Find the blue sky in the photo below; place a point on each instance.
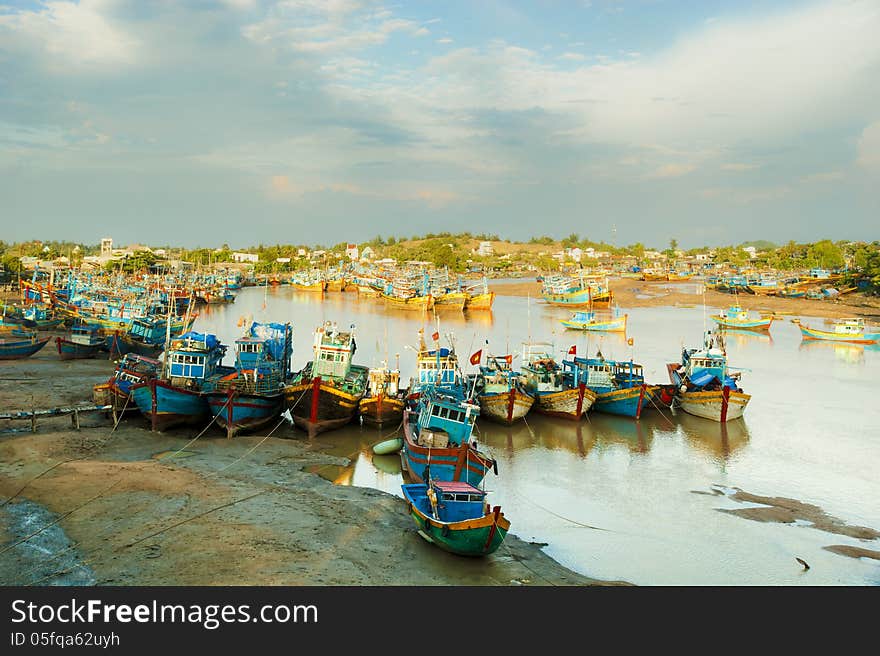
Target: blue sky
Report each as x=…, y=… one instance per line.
x=319, y=121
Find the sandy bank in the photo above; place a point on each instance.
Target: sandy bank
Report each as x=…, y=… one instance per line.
x=631, y=293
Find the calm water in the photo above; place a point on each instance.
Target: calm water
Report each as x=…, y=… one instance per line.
x=618, y=499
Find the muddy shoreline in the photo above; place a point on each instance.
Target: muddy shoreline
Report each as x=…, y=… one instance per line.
x=217, y=513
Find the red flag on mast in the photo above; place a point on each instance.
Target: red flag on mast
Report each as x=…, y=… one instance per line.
x=573, y=350
x=476, y=357
x=435, y=337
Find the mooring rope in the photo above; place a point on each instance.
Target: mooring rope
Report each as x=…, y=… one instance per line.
x=57, y=464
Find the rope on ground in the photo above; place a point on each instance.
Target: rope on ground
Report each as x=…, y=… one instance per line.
x=121, y=413
x=67, y=514
x=57, y=464
x=189, y=519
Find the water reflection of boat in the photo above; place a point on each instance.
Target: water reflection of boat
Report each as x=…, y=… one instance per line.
x=843, y=351
x=612, y=429
x=743, y=336
x=719, y=439
x=388, y=464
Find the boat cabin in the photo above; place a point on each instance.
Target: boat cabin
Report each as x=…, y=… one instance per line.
x=595, y=373
x=384, y=381
x=438, y=367
x=85, y=334
x=333, y=351
x=195, y=356
x=854, y=326
x=458, y=500
x=441, y=414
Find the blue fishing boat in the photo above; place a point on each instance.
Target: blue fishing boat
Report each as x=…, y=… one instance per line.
x=177, y=397
x=619, y=385
x=83, y=341
x=437, y=439
x=252, y=396
x=438, y=421
x=19, y=346
x=556, y=392
x=132, y=369
x=501, y=391
x=454, y=516
x=589, y=321
x=706, y=387
x=736, y=317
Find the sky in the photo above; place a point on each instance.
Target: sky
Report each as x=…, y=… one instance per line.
x=319, y=121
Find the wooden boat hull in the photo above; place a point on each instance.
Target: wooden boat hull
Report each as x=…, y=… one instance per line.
x=720, y=405
x=855, y=338
x=450, y=301
x=121, y=344
x=453, y=463
x=567, y=404
x=420, y=303
x=236, y=412
x=167, y=406
x=613, y=326
x=317, y=287
x=579, y=298
x=367, y=292
x=16, y=349
x=507, y=407
x=479, y=536
x=626, y=402
x=381, y=410
x=318, y=406
x=756, y=324
x=480, y=301
x=68, y=350
x=334, y=285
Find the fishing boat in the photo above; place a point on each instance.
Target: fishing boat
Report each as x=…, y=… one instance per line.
x=556, y=394
x=20, y=346
x=450, y=300
x=736, y=317
x=132, y=369
x=479, y=301
x=252, y=395
x=619, y=385
x=83, y=341
x=590, y=322
x=176, y=398
x=420, y=303
x=383, y=403
x=325, y=394
x=454, y=516
x=706, y=387
x=501, y=392
x=851, y=330
x=437, y=443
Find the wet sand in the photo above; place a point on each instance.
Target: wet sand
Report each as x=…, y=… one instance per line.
x=223, y=512
x=630, y=293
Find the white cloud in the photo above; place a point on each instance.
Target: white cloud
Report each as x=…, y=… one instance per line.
x=70, y=35
x=572, y=56
x=445, y=39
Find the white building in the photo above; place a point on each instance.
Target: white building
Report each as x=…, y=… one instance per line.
x=368, y=253
x=575, y=253
x=485, y=248
x=351, y=250
x=751, y=251
x=245, y=257
x=107, y=246
x=282, y=260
